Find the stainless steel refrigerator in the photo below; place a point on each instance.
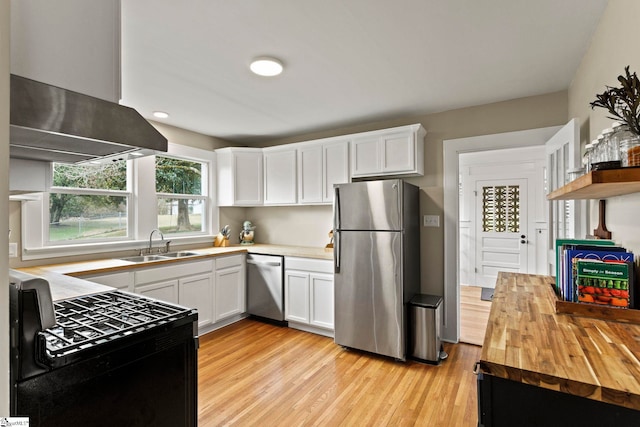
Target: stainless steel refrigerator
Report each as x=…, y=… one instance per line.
x=376, y=264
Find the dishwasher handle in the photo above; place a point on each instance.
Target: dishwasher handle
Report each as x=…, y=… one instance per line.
x=267, y=263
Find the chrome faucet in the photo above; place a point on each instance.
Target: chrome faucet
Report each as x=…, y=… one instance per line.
x=151, y=237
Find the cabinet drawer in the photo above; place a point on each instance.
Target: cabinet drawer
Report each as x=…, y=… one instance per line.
x=173, y=271
x=229, y=261
x=308, y=264
x=116, y=280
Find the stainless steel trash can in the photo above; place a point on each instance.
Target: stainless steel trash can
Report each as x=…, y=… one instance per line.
x=425, y=312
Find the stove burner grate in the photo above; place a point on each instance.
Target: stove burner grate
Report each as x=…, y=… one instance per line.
x=90, y=320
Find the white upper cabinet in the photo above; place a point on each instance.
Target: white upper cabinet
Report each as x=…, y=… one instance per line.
x=73, y=44
x=280, y=175
x=396, y=151
x=240, y=176
x=305, y=172
x=335, y=167
x=310, y=173
x=320, y=166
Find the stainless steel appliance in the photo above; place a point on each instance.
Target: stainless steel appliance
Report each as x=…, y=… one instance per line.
x=265, y=286
x=376, y=263
x=104, y=359
x=53, y=124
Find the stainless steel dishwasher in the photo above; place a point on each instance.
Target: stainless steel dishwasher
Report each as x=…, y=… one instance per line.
x=265, y=287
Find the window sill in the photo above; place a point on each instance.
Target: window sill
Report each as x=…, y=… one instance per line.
x=106, y=247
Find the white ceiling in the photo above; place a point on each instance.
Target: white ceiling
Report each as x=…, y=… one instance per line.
x=347, y=62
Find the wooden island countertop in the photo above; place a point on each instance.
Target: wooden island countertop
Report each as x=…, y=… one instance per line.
x=528, y=342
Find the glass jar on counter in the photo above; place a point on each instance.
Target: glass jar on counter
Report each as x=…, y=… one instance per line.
x=594, y=155
x=614, y=140
x=586, y=165
x=606, y=144
x=574, y=174
x=630, y=150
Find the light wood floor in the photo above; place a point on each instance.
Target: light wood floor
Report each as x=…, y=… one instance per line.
x=474, y=315
x=252, y=373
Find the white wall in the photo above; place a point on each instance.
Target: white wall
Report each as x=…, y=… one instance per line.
x=612, y=48
x=4, y=209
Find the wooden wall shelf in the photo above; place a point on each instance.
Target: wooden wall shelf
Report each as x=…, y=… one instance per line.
x=600, y=185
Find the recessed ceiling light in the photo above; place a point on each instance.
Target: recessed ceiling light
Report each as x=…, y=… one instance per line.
x=265, y=66
x=160, y=114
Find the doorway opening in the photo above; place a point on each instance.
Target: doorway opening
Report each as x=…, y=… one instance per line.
x=500, y=226
x=452, y=149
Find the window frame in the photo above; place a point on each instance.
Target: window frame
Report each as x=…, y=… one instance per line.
x=205, y=173
x=46, y=235
x=142, y=220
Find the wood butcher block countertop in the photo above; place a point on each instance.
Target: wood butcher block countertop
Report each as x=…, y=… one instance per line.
x=65, y=284
x=528, y=342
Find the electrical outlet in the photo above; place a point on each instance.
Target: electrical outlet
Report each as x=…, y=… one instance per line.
x=431, y=221
x=13, y=250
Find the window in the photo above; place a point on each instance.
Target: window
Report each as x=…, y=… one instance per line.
x=115, y=206
x=181, y=202
x=501, y=209
x=88, y=202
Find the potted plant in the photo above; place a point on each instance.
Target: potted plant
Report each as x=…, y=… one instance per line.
x=622, y=102
x=623, y=105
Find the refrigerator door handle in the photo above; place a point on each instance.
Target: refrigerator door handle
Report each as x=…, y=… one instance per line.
x=336, y=252
x=336, y=228
x=336, y=209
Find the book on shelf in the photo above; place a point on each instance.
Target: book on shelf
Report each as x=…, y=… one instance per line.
x=560, y=256
x=573, y=253
x=608, y=283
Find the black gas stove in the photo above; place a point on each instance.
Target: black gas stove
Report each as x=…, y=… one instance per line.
x=112, y=358
x=94, y=320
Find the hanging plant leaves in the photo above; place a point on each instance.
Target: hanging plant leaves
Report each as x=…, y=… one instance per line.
x=623, y=103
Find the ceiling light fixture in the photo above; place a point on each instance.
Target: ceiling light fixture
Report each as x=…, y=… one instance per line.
x=160, y=114
x=266, y=66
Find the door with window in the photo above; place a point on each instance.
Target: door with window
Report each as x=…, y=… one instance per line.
x=567, y=218
x=501, y=229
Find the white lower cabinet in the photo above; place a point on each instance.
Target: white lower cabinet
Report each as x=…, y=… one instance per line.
x=197, y=292
x=164, y=291
x=230, y=286
x=309, y=294
x=321, y=300
x=215, y=287
x=296, y=298
x=189, y=283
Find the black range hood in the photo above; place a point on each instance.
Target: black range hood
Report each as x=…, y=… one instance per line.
x=52, y=124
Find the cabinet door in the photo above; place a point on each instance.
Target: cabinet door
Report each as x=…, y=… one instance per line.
x=247, y=177
x=296, y=296
x=310, y=174
x=280, y=177
x=229, y=292
x=398, y=152
x=164, y=291
x=321, y=304
x=197, y=292
x=365, y=156
x=335, y=167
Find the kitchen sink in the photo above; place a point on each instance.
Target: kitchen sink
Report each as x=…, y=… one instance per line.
x=179, y=254
x=145, y=258
x=159, y=257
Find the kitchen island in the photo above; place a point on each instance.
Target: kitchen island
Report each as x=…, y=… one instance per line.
x=539, y=367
